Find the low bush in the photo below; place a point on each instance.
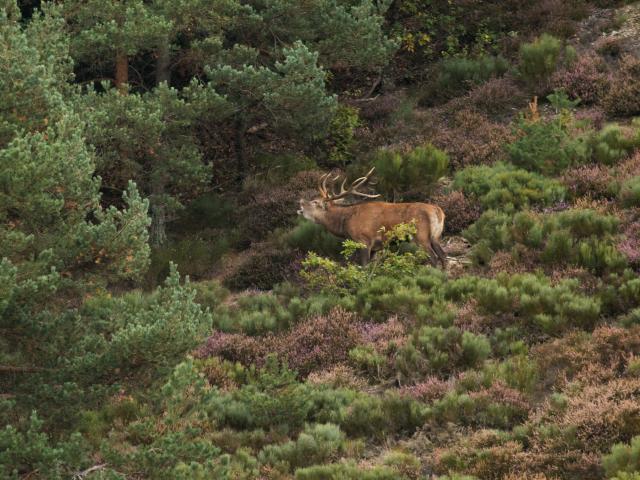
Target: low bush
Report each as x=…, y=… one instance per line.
x=341, y=139
x=346, y=471
x=376, y=417
x=580, y=237
x=459, y=74
x=539, y=60
x=459, y=210
x=438, y=350
x=31, y=449
x=470, y=138
x=613, y=142
x=497, y=406
x=316, y=444
x=309, y=236
x=547, y=146
x=629, y=194
x=536, y=303
x=507, y=187
x=586, y=79
x=420, y=169
x=263, y=267
x=593, y=181
x=497, y=96
x=623, y=98
x=623, y=458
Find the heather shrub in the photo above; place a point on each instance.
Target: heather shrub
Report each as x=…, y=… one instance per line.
x=319, y=342
x=594, y=181
x=484, y=454
x=539, y=59
x=406, y=464
x=316, y=444
x=580, y=354
x=379, y=109
x=459, y=74
x=438, y=350
x=629, y=245
x=507, y=187
x=470, y=138
x=623, y=98
x=585, y=79
x=497, y=95
x=629, y=194
x=459, y=210
x=546, y=146
x=569, y=437
x=264, y=266
x=623, y=459
x=420, y=168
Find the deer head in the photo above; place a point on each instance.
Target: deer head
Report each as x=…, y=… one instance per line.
x=314, y=209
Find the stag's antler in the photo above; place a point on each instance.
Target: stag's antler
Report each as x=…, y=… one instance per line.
x=352, y=190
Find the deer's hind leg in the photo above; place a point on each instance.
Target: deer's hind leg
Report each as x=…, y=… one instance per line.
x=442, y=256
x=423, y=239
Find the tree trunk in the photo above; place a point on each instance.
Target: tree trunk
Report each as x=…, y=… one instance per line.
x=122, y=72
x=158, y=230
x=163, y=71
x=240, y=145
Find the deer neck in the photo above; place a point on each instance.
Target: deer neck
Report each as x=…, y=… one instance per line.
x=335, y=219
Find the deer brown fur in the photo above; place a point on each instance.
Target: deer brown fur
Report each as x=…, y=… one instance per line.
x=366, y=222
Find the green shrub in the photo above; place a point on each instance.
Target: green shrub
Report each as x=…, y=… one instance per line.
x=630, y=192
x=254, y=315
x=477, y=409
x=316, y=444
x=346, y=471
x=441, y=350
x=623, y=458
x=504, y=186
x=309, y=236
x=420, y=169
x=341, y=139
x=547, y=146
x=31, y=449
x=536, y=302
x=377, y=417
x=459, y=74
x=581, y=237
x=143, y=332
x=539, y=59
x=612, y=143
x=195, y=256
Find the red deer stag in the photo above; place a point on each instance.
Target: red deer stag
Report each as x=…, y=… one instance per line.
x=366, y=222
